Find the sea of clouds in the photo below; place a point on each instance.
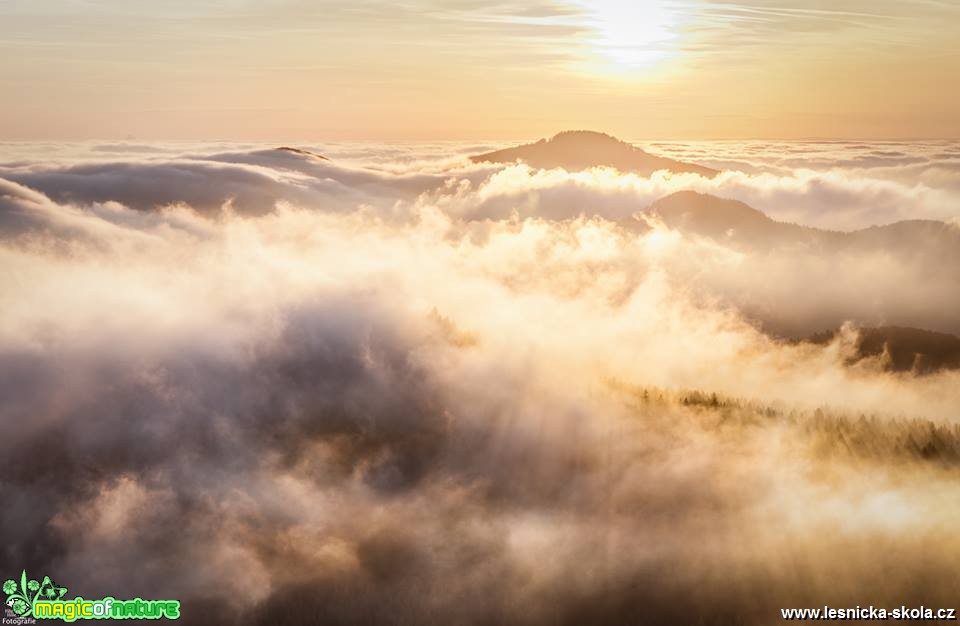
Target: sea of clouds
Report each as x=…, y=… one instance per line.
x=833, y=185
x=387, y=386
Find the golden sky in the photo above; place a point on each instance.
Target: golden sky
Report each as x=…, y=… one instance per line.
x=478, y=69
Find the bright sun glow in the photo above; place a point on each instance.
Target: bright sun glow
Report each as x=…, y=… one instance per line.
x=632, y=36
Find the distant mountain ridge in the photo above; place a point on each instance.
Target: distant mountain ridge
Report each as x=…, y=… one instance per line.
x=926, y=246
x=903, y=349
x=575, y=150
x=735, y=222
x=302, y=152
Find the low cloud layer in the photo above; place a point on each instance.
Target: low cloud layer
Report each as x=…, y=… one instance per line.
x=416, y=390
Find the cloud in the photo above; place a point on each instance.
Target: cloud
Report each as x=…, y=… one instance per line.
x=288, y=413
x=834, y=199
x=250, y=182
x=831, y=185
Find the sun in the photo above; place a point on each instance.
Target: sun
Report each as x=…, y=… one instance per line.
x=627, y=37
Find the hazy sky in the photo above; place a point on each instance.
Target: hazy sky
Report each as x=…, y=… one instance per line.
x=472, y=69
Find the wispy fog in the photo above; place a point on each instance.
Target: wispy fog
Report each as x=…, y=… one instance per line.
x=394, y=386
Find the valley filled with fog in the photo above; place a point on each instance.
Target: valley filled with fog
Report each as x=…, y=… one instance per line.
x=570, y=382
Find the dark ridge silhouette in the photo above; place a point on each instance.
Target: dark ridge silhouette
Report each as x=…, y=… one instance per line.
x=302, y=152
x=582, y=149
x=926, y=245
x=730, y=221
x=737, y=223
x=903, y=349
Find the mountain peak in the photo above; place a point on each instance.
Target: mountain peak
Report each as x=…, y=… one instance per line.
x=575, y=150
x=302, y=152
x=689, y=201
x=593, y=136
x=724, y=219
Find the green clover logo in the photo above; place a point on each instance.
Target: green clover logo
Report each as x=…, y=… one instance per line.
x=20, y=597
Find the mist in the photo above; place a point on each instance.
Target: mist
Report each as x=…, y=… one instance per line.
x=383, y=384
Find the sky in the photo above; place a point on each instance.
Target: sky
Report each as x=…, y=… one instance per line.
x=478, y=69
